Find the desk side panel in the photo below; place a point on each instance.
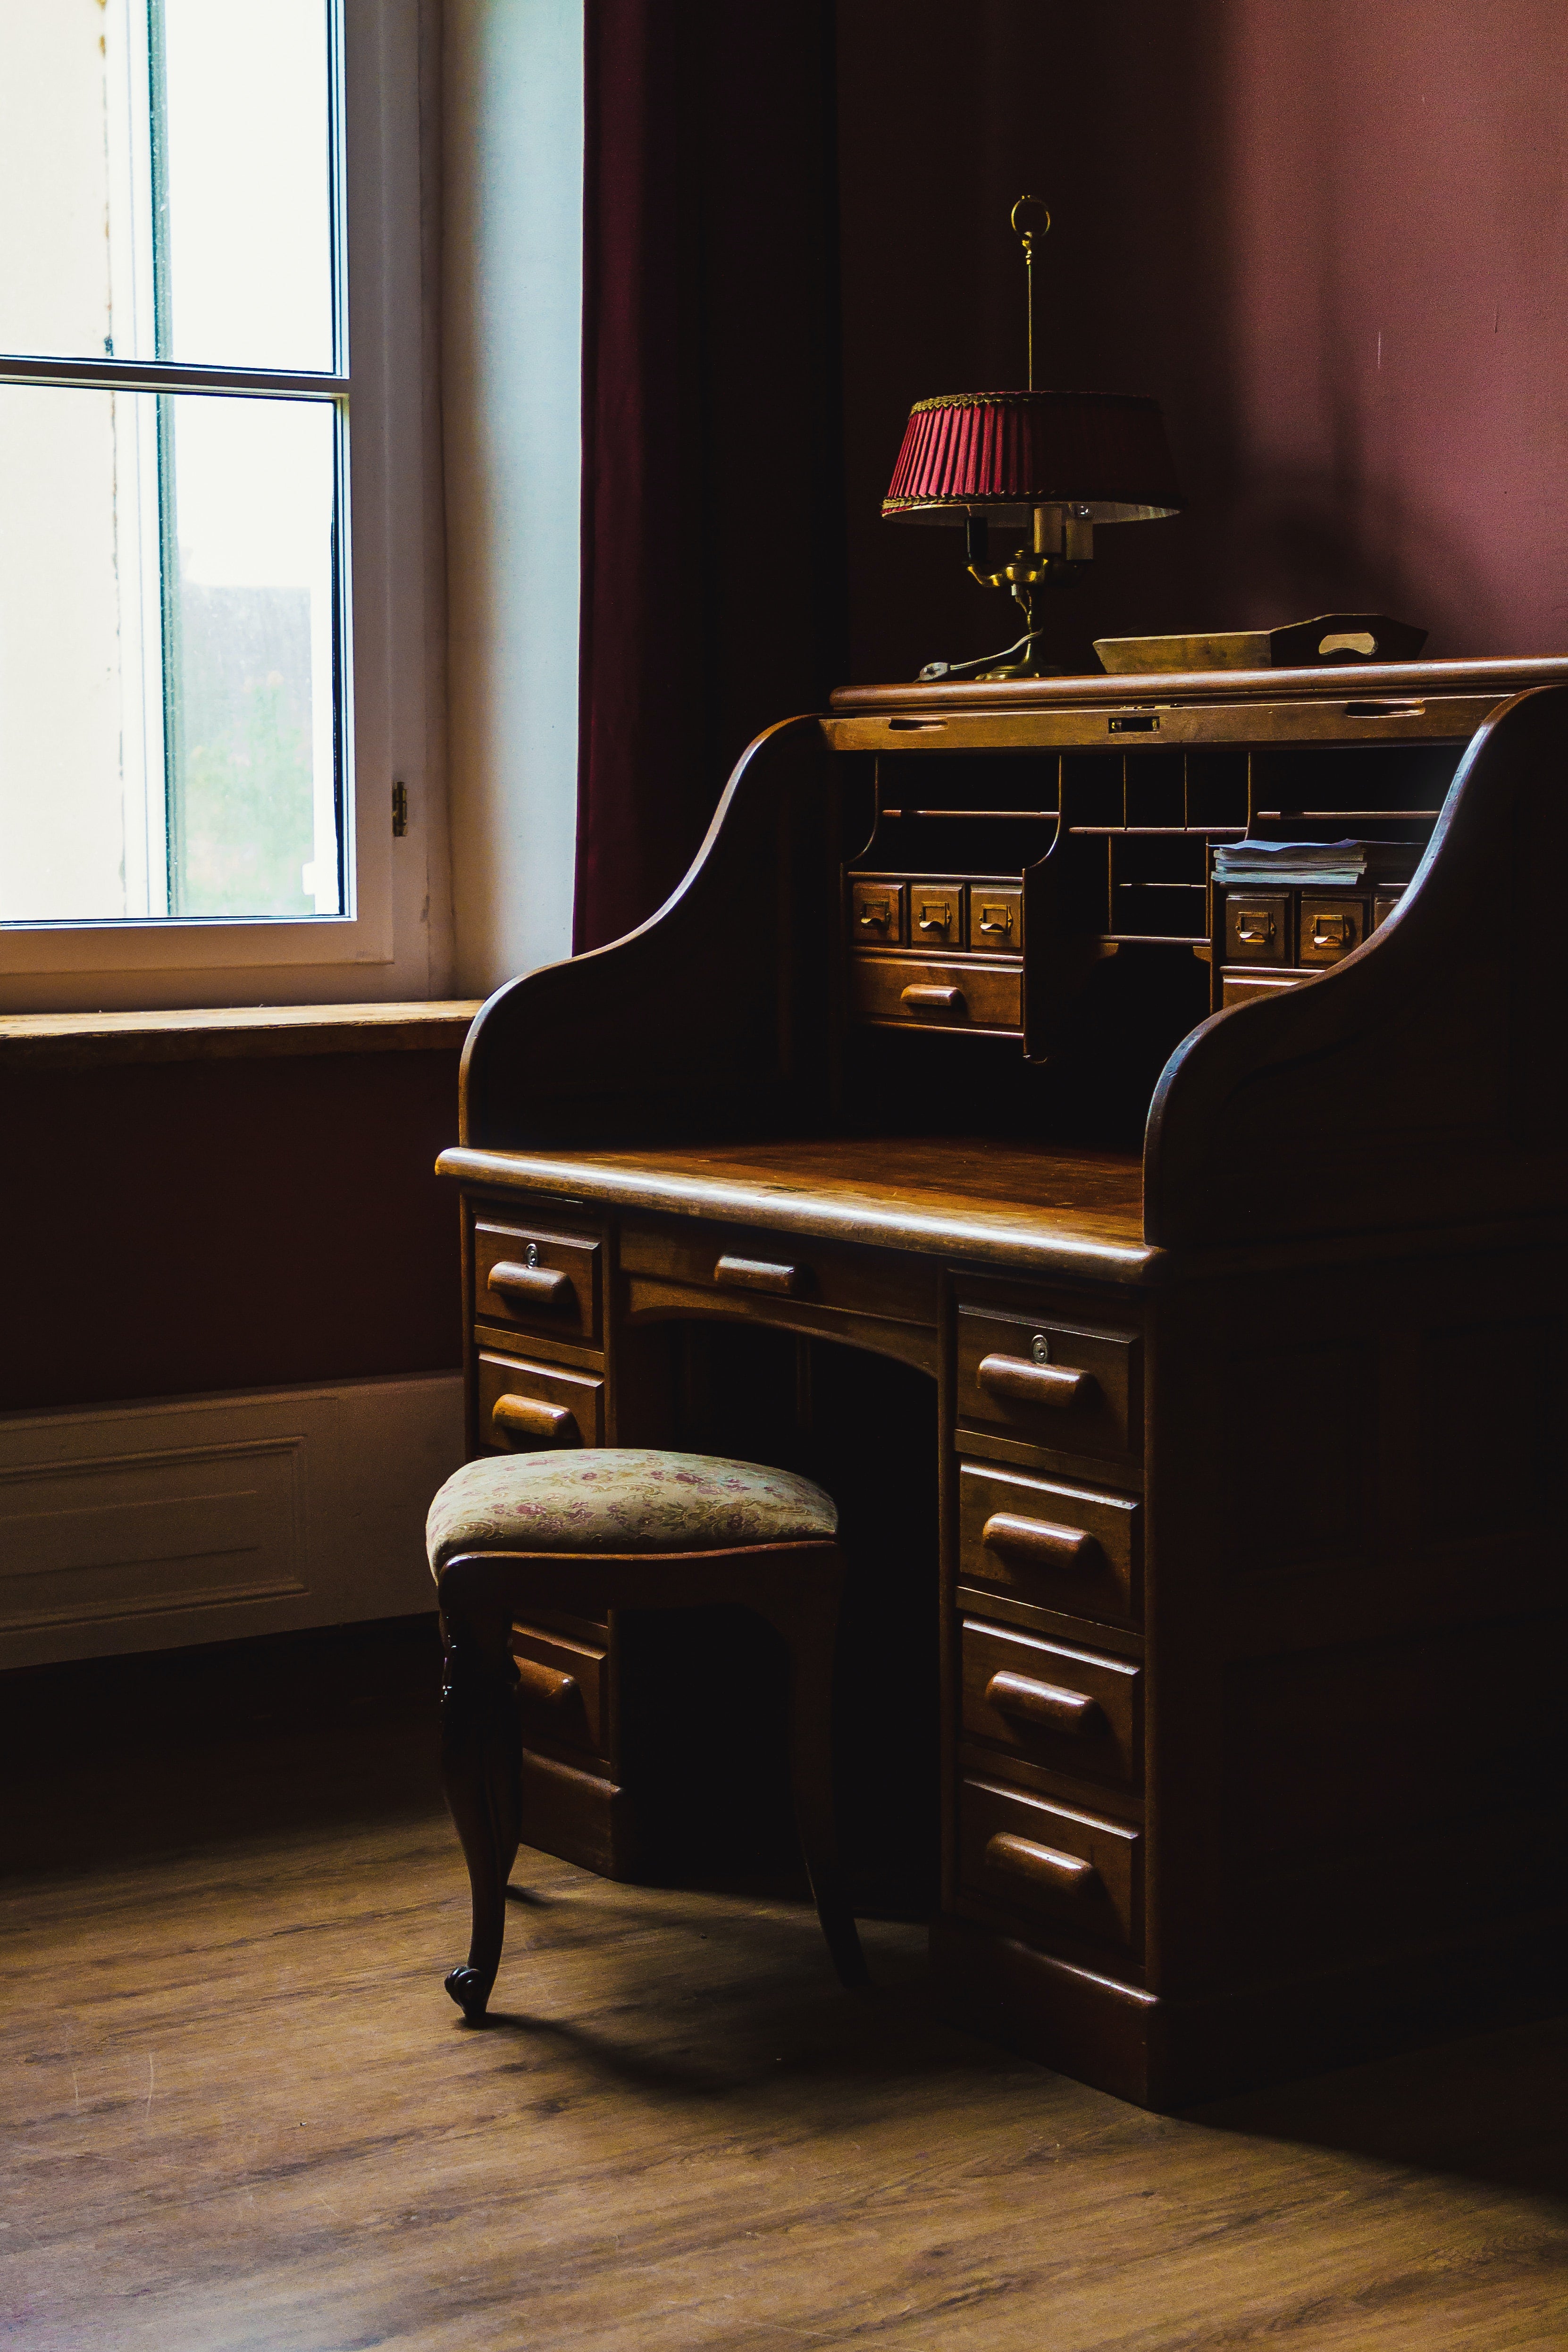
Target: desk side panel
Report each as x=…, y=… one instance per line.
x=720, y=1008
x=1420, y=1080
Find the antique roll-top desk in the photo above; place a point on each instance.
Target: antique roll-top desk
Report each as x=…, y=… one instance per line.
x=1164, y=1272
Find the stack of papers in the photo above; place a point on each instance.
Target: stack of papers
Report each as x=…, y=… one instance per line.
x=1331, y=864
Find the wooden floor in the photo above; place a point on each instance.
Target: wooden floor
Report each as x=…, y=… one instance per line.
x=239, y=2111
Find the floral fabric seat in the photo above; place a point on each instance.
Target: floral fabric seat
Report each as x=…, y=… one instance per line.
x=622, y=1500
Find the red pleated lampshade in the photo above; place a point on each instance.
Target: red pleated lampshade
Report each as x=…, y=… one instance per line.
x=1001, y=454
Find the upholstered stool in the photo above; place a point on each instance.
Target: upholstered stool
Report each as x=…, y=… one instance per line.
x=622, y=1527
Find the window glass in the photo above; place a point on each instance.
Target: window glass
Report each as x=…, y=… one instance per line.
x=165, y=174
x=172, y=562
x=168, y=616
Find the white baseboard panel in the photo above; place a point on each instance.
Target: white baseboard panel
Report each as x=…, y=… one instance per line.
x=145, y=1527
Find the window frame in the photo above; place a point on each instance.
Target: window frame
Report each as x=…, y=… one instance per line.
x=380, y=949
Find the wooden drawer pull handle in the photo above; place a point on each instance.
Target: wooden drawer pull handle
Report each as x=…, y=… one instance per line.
x=1041, y=1865
x=1044, y=1705
x=528, y=1421
x=538, y=1286
x=757, y=1274
x=1018, y=1380
x=924, y=999
x=545, y=1682
x=1038, y=1543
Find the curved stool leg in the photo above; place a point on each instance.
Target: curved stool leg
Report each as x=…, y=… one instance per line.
x=481, y=1768
x=809, y=1621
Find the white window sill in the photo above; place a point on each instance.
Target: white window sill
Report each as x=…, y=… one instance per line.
x=82, y=1040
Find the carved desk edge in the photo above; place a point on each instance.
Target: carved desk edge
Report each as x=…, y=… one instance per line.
x=1011, y=1238
x=971, y=700
x=1006, y=1235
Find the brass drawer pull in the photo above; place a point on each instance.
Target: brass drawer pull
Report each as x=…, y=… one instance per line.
x=1331, y=931
x=1039, y=1542
x=538, y=1286
x=1021, y=1382
x=987, y=924
x=757, y=1274
x=1256, y=929
x=534, y=1422
x=1040, y=1865
x=923, y=997
x=941, y=920
x=545, y=1682
x=875, y=913
x=1044, y=1705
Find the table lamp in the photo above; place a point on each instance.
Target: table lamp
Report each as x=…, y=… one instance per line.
x=1053, y=463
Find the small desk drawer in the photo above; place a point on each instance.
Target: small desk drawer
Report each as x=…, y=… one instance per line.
x=1076, y=1390
x=1075, y=1710
x=982, y=992
x=936, y=914
x=1053, y=1545
x=1330, y=928
x=995, y=918
x=749, y=1263
x=523, y=1408
x=1047, y=1861
x=877, y=913
x=531, y=1280
x=563, y=1689
x=1256, y=926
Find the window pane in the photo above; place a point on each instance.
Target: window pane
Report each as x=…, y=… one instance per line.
x=248, y=192
x=167, y=657
x=171, y=160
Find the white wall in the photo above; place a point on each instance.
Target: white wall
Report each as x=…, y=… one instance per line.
x=511, y=311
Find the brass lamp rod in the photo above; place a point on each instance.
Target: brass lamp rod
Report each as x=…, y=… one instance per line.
x=1027, y=238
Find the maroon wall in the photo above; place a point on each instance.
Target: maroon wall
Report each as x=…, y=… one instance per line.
x=1333, y=238
x=194, y=1227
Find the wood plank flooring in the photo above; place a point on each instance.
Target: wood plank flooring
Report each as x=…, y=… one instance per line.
x=239, y=2111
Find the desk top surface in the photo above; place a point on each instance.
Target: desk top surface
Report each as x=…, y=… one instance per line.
x=1047, y=1208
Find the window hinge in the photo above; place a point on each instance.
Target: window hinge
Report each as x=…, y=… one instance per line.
x=399, y=811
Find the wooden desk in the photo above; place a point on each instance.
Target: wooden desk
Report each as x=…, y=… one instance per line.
x=1205, y=1497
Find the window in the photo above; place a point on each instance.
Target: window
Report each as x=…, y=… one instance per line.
x=183, y=781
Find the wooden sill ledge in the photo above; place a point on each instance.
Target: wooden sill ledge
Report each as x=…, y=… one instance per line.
x=90, y=1040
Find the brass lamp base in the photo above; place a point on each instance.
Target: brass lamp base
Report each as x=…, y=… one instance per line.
x=990, y=667
x=1030, y=569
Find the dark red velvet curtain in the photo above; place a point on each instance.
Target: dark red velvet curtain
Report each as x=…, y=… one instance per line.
x=713, y=589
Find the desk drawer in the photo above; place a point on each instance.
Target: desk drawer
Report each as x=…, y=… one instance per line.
x=523, y=1408
x=527, y=1279
x=1256, y=926
x=877, y=913
x=1330, y=928
x=1075, y=1710
x=1073, y=1387
x=995, y=918
x=1067, y=1548
x=950, y=993
x=1047, y=1861
x=563, y=1689
x=751, y=1263
x=936, y=914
